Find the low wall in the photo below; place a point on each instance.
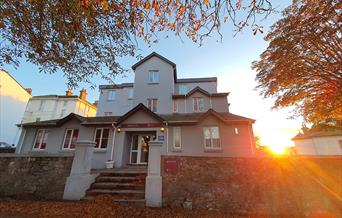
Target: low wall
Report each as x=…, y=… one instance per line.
x=253, y=185
x=41, y=177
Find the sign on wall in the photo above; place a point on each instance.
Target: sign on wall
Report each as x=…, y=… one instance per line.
x=161, y=138
x=171, y=166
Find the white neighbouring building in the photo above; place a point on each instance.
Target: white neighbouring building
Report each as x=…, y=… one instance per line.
x=13, y=100
x=51, y=107
x=318, y=143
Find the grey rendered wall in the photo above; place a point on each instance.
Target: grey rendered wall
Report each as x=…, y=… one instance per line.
x=210, y=87
x=56, y=138
x=119, y=106
x=219, y=104
x=162, y=91
x=192, y=140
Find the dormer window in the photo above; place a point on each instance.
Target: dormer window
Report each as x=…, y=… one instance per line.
x=153, y=76
x=198, y=104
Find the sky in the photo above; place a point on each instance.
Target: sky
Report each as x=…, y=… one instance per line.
x=229, y=61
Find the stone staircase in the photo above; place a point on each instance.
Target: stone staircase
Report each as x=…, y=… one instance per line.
x=124, y=186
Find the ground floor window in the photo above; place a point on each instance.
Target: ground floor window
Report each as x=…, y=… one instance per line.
x=177, y=138
x=40, y=142
x=101, y=138
x=70, y=139
x=211, y=137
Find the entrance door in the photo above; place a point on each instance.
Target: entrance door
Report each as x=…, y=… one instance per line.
x=139, y=149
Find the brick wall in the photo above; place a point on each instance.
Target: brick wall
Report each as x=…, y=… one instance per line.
x=26, y=177
x=253, y=185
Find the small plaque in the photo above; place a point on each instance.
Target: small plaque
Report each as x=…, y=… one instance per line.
x=171, y=166
x=160, y=138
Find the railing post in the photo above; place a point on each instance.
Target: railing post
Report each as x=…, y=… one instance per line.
x=153, y=190
x=80, y=178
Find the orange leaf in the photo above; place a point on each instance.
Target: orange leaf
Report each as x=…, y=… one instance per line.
x=147, y=4
x=206, y=2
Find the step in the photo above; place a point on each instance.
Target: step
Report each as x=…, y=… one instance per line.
x=126, y=202
x=115, y=179
x=123, y=174
x=140, y=193
x=116, y=185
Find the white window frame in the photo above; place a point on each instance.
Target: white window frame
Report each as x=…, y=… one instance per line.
x=196, y=100
x=130, y=94
x=183, y=89
x=151, y=103
x=71, y=136
x=111, y=95
x=101, y=136
x=175, y=106
x=211, y=147
x=45, y=132
x=174, y=138
x=153, y=76
x=42, y=105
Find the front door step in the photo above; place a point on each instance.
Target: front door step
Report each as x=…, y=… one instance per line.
x=122, y=187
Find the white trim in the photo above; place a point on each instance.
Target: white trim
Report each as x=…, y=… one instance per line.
x=174, y=138
x=113, y=143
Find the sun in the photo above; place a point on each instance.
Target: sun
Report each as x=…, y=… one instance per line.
x=277, y=149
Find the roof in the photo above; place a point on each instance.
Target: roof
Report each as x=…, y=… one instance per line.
x=81, y=119
x=312, y=134
x=199, y=89
x=117, y=86
x=63, y=96
x=154, y=54
x=172, y=119
x=197, y=80
x=3, y=70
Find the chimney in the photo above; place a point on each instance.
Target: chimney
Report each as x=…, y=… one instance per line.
x=68, y=92
x=83, y=94
x=29, y=90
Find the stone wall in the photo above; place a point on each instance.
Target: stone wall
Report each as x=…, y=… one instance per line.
x=253, y=185
x=25, y=177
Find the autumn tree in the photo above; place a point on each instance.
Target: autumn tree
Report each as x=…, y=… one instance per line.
x=302, y=65
x=80, y=37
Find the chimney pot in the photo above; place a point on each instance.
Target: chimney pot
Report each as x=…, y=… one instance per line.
x=83, y=94
x=29, y=90
x=68, y=92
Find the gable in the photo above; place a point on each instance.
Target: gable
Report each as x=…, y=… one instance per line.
x=140, y=117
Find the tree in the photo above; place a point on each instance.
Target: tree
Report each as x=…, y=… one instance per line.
x=301, y=66
x=80, y=37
